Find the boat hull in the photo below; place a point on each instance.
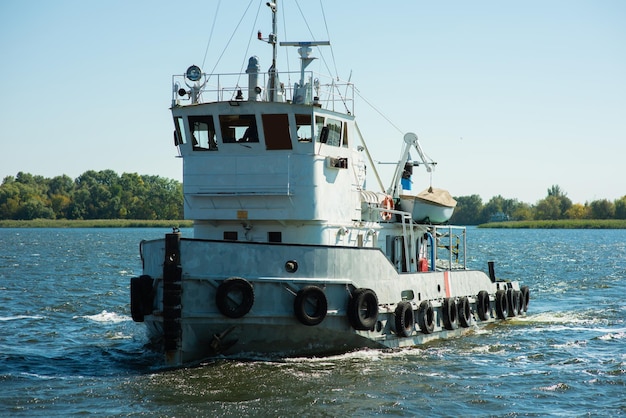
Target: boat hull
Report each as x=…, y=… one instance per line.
x=275, y=320
x=425, y=211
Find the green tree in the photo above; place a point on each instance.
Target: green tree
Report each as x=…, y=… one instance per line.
x=467, y=211
x=577, y=211
x=548, y=208
x=564, y=202
x=602, y=209
x=620, y=208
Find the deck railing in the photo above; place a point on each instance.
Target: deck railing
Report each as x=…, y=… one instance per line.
x=321, y=90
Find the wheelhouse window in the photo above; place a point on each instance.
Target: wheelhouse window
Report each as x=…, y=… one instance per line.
x=319, y=124
x=202, y=133
x=238, y=128
x=276, y=131
x=181, y=136
x=304, y=128
x=334, y=132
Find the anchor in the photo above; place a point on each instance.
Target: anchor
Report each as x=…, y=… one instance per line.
x=218, y=345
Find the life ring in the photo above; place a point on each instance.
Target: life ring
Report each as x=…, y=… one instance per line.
x=387, y=205
x=140, y=297
x=502, y=306
x=483, y=306
x=426, y=317
x=513, y=299
x=234, y=297
x=405, y=319
x=525, y=298
x=310, y=305
x=363, y=309
x=465, y=312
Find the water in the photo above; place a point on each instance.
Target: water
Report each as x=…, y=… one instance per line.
x=69, y=347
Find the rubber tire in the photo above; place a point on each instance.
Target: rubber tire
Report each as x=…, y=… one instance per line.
x=426, y=317
x=525, y=297
x=140, y=297
x=310, y=296
x=405, y=319
x=465, y=312
x=512, y=298
x=363, y=309
x=449, y=309
x=224, y=297
x=483, y=306
x=502, y=306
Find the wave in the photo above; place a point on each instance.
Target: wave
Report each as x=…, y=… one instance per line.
x=106, y=317
x=17, y=317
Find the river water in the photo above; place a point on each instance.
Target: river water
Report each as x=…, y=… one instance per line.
x=69, y=347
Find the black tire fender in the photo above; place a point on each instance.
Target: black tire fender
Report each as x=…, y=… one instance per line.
x=525, y=297
x=512, y=298
x=363, y=309
x=405, y=319
x=502, y=306
x=310, y=305
x=426, y=317
x=483, y=306
x=141, y=295
x=234, y=297
x=449, y=309
x=465, y=312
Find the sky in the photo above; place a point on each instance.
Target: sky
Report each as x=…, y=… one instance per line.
x=508, y=97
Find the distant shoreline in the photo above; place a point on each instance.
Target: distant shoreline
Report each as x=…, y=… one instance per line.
x=560, y=224
x=138, y=223
x=96, y=223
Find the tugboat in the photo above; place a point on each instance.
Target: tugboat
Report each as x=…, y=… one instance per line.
x=291, y=254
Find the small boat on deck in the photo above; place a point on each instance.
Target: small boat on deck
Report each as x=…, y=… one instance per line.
x=291, y=254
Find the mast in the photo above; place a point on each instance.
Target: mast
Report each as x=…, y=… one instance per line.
x=273, y=75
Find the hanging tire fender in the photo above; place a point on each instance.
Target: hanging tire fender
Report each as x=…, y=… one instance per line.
x=234, y=297
x=502, y=306
x=363, y=309
x=465, y=312
x=404, y=319
x=449, y=314
x=512, y=298
x=525, y=297
x=141, y=295
x=483, y=306
x=426, y=317
x=310, y=305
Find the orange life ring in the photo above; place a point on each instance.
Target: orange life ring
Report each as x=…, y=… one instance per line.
x=388, y=205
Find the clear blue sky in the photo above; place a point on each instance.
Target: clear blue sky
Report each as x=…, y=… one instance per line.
x=508, y=97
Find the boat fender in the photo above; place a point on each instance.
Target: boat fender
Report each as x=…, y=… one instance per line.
x=363, y=309
x=234, y=297
x=513, y=299
x=387, y=205
x=502, y=307
x=310, y=305
x=140, y=297
x=465, y=312
x=405, y=319
x=483, y=305
x=449, y=314
x=525, y=297
x=426, y=317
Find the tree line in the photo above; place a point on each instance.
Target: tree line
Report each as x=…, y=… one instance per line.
x=92, y=195
x=107, y=195
x=470, y=210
